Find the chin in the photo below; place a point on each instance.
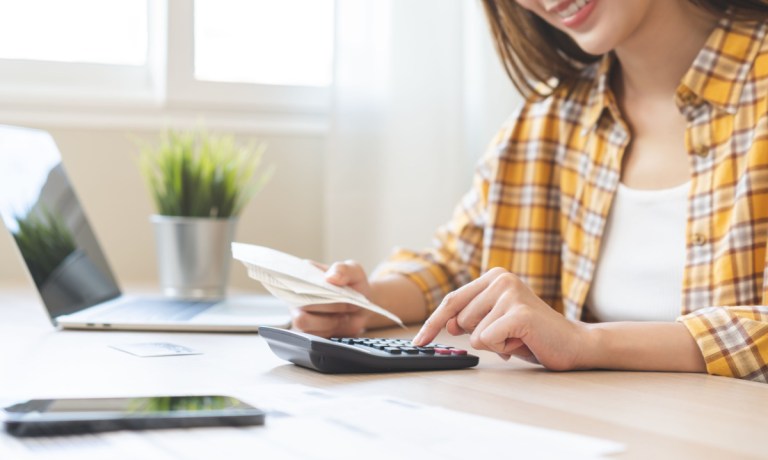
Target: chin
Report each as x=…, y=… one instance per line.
x=595, y=44
x=596, y=49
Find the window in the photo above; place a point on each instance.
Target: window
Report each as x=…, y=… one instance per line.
x=52, y=30
x=73, y=52
x=286, y=42
x=179, y=56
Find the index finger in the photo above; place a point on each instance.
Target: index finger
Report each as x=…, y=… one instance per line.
x=451, y=305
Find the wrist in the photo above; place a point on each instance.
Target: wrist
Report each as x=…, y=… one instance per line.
x=368, y=320
x=646, y=346
x=594, y=346
x=400, y=296
x=377, y=292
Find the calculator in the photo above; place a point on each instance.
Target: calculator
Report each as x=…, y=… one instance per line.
x=344, y=355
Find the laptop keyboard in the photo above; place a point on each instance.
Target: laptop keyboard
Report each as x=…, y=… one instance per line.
x=153, y=310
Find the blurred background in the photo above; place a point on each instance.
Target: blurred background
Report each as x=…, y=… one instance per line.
x=373, y=111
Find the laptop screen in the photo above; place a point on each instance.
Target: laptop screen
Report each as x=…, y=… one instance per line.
x=48, y=225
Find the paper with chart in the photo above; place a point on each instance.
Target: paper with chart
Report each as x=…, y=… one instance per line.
x=297, y=281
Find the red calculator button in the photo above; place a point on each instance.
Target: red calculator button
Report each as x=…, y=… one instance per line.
x=442, y=351
x=457, y=351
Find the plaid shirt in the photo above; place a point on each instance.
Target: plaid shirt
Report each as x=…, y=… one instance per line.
x=541, y=195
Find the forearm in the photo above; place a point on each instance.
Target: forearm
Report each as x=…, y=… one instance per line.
x=399, y=295
x=642, y=347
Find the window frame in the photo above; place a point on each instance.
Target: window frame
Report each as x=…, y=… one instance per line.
x=163, y=92
x=185, y=89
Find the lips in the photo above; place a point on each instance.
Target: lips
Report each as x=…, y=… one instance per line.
x=573, y=13
x=569, y=8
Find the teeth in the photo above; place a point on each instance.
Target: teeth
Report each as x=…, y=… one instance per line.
x=573, y=8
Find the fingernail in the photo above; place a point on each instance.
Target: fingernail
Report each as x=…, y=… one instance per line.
x=416, y=339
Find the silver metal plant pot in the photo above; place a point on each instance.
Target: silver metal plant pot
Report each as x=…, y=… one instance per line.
x=193, y=255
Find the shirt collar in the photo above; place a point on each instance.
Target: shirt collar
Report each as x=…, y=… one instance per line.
x=722, y=67
x=600, y=95
x=717, y=75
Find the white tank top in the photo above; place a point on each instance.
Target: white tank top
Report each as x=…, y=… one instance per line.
x=639, y=273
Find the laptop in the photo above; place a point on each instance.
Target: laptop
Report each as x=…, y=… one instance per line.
x=70, y=271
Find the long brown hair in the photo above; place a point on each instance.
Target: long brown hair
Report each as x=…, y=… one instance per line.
x=538, y=57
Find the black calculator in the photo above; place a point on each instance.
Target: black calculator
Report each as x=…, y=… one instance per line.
x=344, y=355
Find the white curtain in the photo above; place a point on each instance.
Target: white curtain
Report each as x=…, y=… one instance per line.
x=418, y=95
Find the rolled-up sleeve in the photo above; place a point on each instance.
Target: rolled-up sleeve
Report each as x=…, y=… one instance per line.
x=733, y=340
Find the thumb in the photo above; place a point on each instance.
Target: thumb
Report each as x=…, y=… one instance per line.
x=347, y=273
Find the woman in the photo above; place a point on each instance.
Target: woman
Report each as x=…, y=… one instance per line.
x=620, y=220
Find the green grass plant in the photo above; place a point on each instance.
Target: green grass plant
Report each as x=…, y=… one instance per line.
x=199, y=174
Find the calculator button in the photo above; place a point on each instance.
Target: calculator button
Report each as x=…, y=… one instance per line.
x=335, y=339
x=426, y=351
x=442, y=351
x=458, y=351
x=392, y=350
x=410, y=350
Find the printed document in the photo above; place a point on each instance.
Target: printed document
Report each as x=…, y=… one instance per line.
x=306, y=423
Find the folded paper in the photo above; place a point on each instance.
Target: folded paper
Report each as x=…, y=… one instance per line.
x=298, y=281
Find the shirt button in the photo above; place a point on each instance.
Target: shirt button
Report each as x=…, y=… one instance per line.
x=688, y=98
x=702, y=151
x=699, y=239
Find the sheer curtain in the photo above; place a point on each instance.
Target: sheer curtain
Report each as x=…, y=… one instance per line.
x=418, y=95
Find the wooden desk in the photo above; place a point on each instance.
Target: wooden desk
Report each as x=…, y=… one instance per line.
x=657, y=415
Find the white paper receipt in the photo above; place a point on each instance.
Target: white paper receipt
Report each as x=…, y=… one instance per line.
x=148, y=349
x=297, y=281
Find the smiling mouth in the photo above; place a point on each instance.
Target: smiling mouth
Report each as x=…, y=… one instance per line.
x=567, y=10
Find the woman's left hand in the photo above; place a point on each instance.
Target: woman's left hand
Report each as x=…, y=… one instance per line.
x=504, y=316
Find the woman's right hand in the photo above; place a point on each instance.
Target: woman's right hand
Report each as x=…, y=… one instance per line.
x=336, y=319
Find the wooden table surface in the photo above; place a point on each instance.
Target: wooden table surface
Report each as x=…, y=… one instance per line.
x=657, y=415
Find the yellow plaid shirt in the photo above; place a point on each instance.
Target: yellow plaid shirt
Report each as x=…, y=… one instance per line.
x=541, y=195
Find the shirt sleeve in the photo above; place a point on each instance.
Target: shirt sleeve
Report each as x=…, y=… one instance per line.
x=455, y=257
x=733, y=340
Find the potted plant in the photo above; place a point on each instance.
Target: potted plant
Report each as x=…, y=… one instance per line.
x=200, y=183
